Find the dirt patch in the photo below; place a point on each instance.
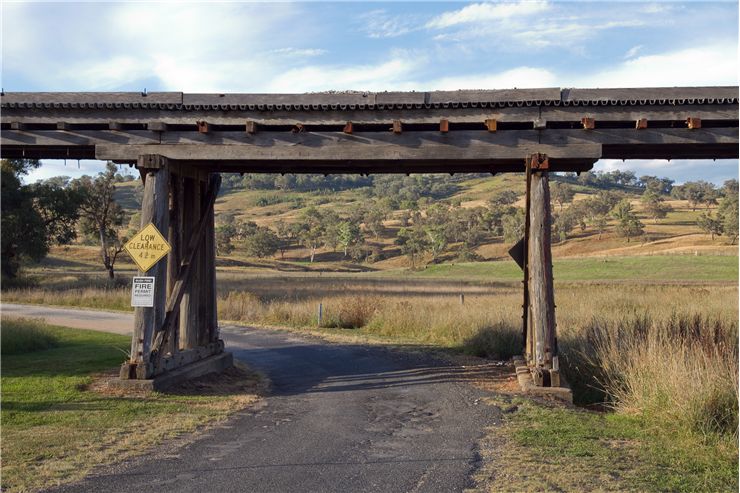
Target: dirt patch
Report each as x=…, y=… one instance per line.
x=239, y=379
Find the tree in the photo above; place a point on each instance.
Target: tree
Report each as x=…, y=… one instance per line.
x=710, y=225
x=224, y=234
x=660, y=186
x=729, y=187
x=655, y=206
x=564, y=223
x=348, y=235
x=697, y=193
x=311, y=230
x=628, y=224
x=506, y=197
x=286, y=236
x=513, y=225
x=728, y=211
x=101, y=216
x=562, y=193
x=33, y=216
x=374, y=218
x=413, y=242
x=263, y=242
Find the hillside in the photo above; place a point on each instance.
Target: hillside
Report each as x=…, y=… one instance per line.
x=675, y=234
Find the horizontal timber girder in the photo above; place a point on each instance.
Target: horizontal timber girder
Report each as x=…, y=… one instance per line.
x=452, y=131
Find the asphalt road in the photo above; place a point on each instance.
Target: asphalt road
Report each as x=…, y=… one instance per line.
x=118, y=323
x=340, y=418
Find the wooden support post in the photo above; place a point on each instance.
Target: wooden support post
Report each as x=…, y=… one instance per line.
x=189, y=304
x=174, y=237
x=539, y=263
x=154, y=209
x=202, y=277
x=210, y=271
x=526, y=318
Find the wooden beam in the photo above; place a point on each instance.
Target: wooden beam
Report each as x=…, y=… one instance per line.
x=174, y=237
x=191, y=296
x=211, y=298
x=154, y=209
x=539, y=263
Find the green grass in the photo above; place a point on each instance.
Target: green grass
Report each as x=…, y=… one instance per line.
x=25, y=336
x=55, y=429
x=573, y=450
x=651, y=268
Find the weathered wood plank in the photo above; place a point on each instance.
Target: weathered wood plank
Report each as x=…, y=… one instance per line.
x=373, y=153
x=77, y=137
x=633, y=113
x=154, y=209
x=643, y=136
x=210, y=281
x=539, y=264
x=174, y=237
x=358, y=117
x=189, y=306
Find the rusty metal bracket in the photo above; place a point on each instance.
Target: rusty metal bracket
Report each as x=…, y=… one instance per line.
x=251, y=127
x=641, y=124
x=298, y=128
x=491, y=125
x=538, y=162
x=348, y=128
x=693, y=122
x=588, y=123
x=444, y=125
x=397, y=127
x=202, y=126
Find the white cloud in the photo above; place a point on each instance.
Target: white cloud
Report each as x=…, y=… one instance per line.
x=632, y=51
x=521, y=77
x=380, y=24
x=396, y=74
x=486, y=12
x=715, y=64
x=299, y=52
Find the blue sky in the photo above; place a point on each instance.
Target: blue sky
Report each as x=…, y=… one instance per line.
x=316, y=46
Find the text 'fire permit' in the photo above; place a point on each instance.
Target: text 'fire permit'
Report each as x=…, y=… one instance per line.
x=142, y=292
x=147, y=247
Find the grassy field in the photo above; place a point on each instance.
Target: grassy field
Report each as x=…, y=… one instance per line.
x=542, y=447
x=59, y=421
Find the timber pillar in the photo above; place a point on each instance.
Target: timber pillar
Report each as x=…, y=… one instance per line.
x=539, y=316
x=180, y=331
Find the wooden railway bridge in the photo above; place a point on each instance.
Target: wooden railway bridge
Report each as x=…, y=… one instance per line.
x=180, y=142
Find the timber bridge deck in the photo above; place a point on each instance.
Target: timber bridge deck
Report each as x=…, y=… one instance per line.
x=179, y=142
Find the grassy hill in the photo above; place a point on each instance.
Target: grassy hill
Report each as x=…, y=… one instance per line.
x=676, y=234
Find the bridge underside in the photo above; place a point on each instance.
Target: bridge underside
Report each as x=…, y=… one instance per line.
x=179, y=142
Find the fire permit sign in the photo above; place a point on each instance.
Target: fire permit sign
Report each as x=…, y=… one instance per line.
x=142, y=292
x=147, y=247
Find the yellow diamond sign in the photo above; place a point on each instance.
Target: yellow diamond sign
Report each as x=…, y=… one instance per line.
x=147, y=247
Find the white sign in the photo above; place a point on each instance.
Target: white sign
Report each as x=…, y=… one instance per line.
x=142, y=292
